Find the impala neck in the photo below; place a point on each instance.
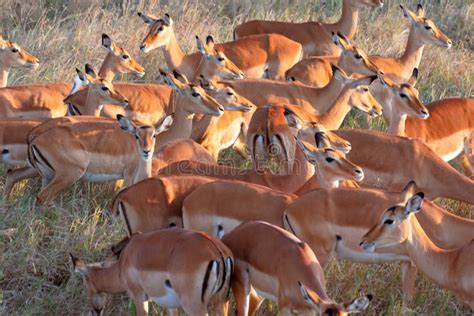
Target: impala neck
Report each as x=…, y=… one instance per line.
x=397, y=124
x=174, y=56
x=181, y=127
x=411, y=58
x=92, y=105
x=334, y=117
x=347, y=23
x=327, y=94
x=107, y=280
x=106, y=72
x=4, y=71
x=432, y=260
x=143, y=169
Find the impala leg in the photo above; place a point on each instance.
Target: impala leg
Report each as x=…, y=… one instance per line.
x=254, y=301
x=172, y=312
x=240, y=145
x=16, y=175
x=59, y=182
x=241, y=289
x=408, y=281
x=465, y=164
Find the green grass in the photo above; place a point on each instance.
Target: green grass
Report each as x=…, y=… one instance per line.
x=35, y=274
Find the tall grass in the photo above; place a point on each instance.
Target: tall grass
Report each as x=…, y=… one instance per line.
x=35, y=275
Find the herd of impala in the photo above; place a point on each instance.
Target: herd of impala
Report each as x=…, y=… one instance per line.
x=278, y=93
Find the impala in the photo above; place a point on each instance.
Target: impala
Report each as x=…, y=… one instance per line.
x=96, y=151
x=12, y=56
x=314, y=36
x=281, y=268
x=173, y=268
x=399, y=228
x=318, y=71
x=46, y=100
x=345, y=215
x=259, y=56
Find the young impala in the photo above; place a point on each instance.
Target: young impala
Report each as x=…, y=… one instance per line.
x=46, y=100
x=314, y=36
x=259, y=56
x=13, y=56
x=280, y=267
x=173, y=268
x=399, y=228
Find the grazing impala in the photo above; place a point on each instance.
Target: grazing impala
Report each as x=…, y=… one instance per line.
x=46, y=100
x=316, y=71
x=399, y=228
x=314, y=36
x=11, y=56
x=281, y=268
x=173, y=268
x=259, y=56
x=96, y=151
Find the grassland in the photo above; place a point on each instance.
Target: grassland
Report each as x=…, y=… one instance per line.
x=35, y=275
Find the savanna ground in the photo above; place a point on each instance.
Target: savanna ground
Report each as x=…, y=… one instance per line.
x=35, y=273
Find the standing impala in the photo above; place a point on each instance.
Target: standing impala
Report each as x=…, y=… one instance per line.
x=282, y=268
x=399, y=228
x=173, y=268
x=259, y=56
x=314, y=36
x=316, y=71
x=12, y=56
x=46, y=100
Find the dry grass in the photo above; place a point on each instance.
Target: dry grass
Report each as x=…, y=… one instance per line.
x=35, y=277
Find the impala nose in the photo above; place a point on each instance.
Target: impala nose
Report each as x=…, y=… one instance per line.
x=449, y=43
x=126, y=102
x=142, y=48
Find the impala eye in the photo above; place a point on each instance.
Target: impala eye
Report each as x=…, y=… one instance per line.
x=358, y=56
x=428, y=27
x=105, y=89
x=125, y=57
x=14, y=50
x=329, y=159
x=220, y=58
x=403, y=95
x=195, y=94
x=230, y=93
x=365, y=89
x=388, y=221
x=136, y=136
x=154, y=135
x=160, y=29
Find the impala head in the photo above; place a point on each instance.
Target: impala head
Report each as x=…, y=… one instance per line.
x=101, y=90
x=404, y=98
x=119, y=59
x=328, y=308
x=226, y=96
x=367, y=3
x=308, y=130
x=360, y=97
x=333, y=165
x=145, y=134
x=199, y=100
x=97, y=298
x=12, y=55
x=159, y=34
x=427, y=31
x=215, y=63
x=394, y=226
x=352, y=58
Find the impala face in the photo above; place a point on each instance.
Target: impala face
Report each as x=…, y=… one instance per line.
x=353, y=58
x=97, y=299
x=119, y=59
x=159, y=33
x=227, y=97
x=106, y=94
x=394, y=226
x=363, y=100
x=431, y=34
x=12, y=55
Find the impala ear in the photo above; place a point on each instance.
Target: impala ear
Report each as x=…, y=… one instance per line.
x=174, y=83
x=147, y=18
x=308, y=153
x=382, y=80
x=321, y=140
x=292, y=119
x=165, y=124
x=340, y=40
x=415, y=203
x=181, y=77
x=311, y=297
x=210, y=43
x=126, y=124
x=200, y=46
x=339, y=74
x=90, y=70
x=108, y=44
x=414, y=77
x=408, y=191
x=420, y=11
x=409, y=15
x=167, y=20
x=206, y=84
x=78, y=265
